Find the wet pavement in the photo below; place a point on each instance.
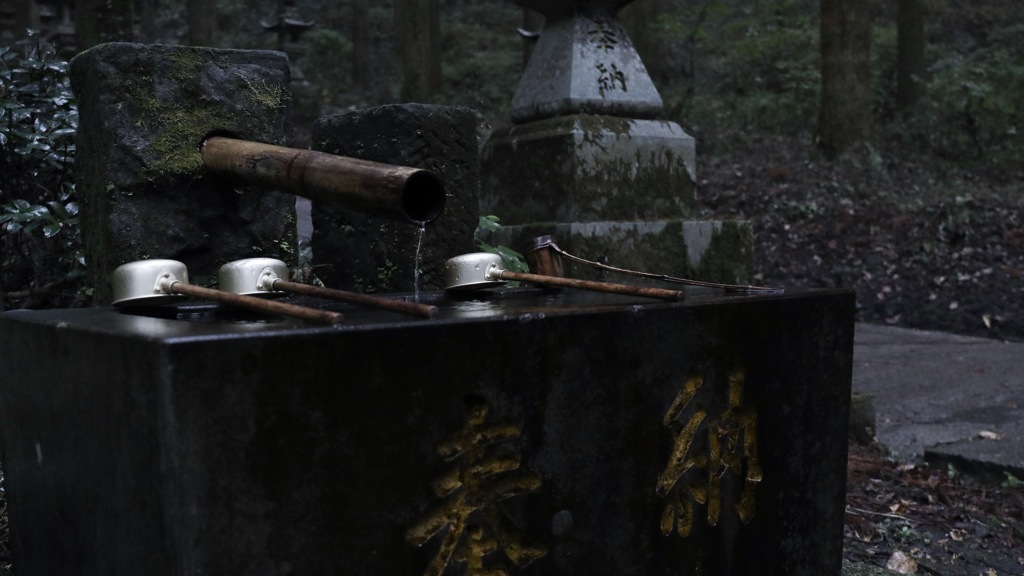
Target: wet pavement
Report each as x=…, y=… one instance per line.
x=944, y=397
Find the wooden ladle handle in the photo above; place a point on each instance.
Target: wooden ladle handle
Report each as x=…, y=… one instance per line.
x=646, y=291
x=415, y=308
x=257, y=304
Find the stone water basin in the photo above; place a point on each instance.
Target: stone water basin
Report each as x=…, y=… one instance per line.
x=528, y=430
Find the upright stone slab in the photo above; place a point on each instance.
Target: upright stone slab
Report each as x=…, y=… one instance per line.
x=358, y=252
x=586, y=161
x=143, y=110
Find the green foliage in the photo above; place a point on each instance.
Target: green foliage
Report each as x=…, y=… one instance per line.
x=40, y=241
x=971, y=113
x=514, y=261
x=239, y=23
x=483, y=58
x=751, y=67
x=326, y=61
x=973, y=109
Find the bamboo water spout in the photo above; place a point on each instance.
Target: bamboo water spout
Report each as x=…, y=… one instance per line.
x=397, y=192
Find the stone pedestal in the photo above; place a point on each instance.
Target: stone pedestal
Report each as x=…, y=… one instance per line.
x=586, y=162
x=536, y=432
x=587, y=168
x=358, y=252
x=143, y=110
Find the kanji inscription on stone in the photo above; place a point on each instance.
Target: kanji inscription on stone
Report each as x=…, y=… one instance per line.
x=695, y=470
x=484, y=472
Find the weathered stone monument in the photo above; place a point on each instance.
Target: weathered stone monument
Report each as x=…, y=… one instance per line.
x=143, y=111
x=587, y=161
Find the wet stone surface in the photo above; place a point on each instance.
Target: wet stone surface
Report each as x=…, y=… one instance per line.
x=537, y=431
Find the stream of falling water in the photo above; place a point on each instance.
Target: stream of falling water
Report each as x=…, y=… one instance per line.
x=416, y=264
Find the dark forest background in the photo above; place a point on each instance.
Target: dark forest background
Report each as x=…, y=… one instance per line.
x=944, y=77
x=875, y=145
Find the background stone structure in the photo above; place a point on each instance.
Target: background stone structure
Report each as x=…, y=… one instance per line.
x=587, y=161
x=366, y=253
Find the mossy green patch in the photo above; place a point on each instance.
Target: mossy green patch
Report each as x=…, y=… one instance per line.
x=729, y=257
x=180, y=109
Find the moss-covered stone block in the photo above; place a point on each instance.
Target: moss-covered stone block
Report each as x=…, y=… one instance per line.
x=143, y=111
x=589, y=168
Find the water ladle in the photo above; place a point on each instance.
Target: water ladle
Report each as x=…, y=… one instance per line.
x=150, y=282
x=544, y=256
x=484, y=270
x=266, y=277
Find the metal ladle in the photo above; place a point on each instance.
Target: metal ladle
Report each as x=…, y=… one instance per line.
x=545, y=257
x=484, y=270
x=266, y=277
x=148, y=282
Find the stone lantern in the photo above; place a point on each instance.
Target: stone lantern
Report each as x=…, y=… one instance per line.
x=587, y=160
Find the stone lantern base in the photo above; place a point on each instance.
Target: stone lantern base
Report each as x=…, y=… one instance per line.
x=613, y=189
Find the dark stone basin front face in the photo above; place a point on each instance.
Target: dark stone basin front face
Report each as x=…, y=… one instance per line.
x=531, y=431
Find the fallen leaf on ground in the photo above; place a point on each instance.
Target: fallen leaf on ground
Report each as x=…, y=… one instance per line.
x=902, y=563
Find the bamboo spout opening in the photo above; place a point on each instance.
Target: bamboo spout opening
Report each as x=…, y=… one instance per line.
x=423, y=197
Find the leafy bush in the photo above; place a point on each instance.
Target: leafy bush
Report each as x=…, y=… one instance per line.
x=483, y=59
x=973, y=108
x=514, y=261
x=326, y=61
x=41, y=259
x=971, y=112
x=754, y=71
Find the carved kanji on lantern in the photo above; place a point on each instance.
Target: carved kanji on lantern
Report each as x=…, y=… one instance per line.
x=481, y=476
x=695, y=471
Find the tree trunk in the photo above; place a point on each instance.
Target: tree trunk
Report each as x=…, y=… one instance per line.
x=147, y=20
x=640, y=19
x=87, y=33
x=361, y=48
x=418, y=35
x=910, y=62
x=844, y=118
x=201, y=17
x=106, y=21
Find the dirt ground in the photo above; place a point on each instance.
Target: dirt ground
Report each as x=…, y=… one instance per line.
x=921, y=520
x=924, y=246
